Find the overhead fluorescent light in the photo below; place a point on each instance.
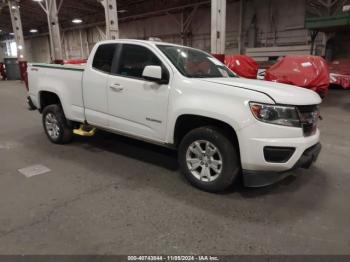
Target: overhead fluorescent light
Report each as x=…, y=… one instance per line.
x=33, y=31
x=12, y=33
x=77, y=21
x=37, y=0
x=122, y=11
x=346, y=8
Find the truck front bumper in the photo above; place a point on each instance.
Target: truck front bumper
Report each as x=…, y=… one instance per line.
x=253, y=178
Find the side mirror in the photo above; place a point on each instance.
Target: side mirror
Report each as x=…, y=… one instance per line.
x=153, y=73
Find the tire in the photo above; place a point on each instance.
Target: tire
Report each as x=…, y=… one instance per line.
x=59, y=131
x=221, y=177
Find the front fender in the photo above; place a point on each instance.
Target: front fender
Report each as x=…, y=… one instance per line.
x=226, y=104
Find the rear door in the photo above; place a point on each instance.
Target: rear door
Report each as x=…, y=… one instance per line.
x=95, y=80
x=137, y=106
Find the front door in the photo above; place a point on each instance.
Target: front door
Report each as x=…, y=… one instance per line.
x=137, y=106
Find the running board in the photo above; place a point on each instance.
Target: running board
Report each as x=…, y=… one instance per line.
x=85, y=130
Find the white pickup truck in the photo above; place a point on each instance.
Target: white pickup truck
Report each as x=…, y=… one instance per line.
x=177, y=96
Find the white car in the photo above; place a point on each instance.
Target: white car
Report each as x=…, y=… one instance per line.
x=181, y=97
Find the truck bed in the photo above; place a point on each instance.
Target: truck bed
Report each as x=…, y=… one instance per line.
x=63, y=80
x=62, y=67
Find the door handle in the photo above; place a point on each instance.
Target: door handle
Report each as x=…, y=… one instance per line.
x=116, y=88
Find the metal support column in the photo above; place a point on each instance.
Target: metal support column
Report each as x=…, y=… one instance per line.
x=240, y=38
x=51, y=11
x=111, y=14
x=314, y=34
x=218, y=26
x=17, y=28
x=81, y=45
x=54, y=29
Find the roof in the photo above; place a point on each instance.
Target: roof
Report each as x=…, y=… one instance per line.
x=126, y=40
x=147, y=42
x=91, y=12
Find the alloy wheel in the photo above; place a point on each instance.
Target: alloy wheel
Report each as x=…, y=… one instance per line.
x=52, y=126
x=204, y=160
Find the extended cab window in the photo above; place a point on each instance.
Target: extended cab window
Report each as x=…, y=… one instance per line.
x=134, y=59
x=104, y=57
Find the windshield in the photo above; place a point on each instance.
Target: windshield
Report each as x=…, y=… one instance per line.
x=195, y=63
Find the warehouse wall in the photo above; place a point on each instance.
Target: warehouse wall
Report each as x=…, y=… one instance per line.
x=2, y=53
x=278, y=22
x=266, y=23
x=38, y=49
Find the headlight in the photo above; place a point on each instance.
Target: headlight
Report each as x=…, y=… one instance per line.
x=276, y=114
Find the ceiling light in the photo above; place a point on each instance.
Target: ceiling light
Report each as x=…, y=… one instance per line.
x=12, y=33
x=37, y=0
x=33, y=31
x=122, y=11
x=13, y=7
x=77, y=21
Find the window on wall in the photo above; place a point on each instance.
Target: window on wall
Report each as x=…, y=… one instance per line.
x=104, y=57
x=10, y=49
x=13, y=48
x=134, y=59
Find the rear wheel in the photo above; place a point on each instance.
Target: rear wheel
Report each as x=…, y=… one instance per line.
x=55, y=125
x=208, y=159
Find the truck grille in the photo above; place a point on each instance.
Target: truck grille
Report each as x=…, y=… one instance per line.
x=309, y=118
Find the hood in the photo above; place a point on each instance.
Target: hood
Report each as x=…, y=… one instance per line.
x=280, y=93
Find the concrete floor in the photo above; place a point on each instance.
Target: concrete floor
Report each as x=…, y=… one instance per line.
x=111, y=195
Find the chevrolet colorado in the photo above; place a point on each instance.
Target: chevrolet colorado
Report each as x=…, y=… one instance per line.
x=172, y=95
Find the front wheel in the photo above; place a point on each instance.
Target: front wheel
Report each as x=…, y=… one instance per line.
x=208, y=159
x=55, y=125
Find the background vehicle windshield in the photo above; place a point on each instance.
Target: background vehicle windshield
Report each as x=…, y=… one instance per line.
x=195, y=63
